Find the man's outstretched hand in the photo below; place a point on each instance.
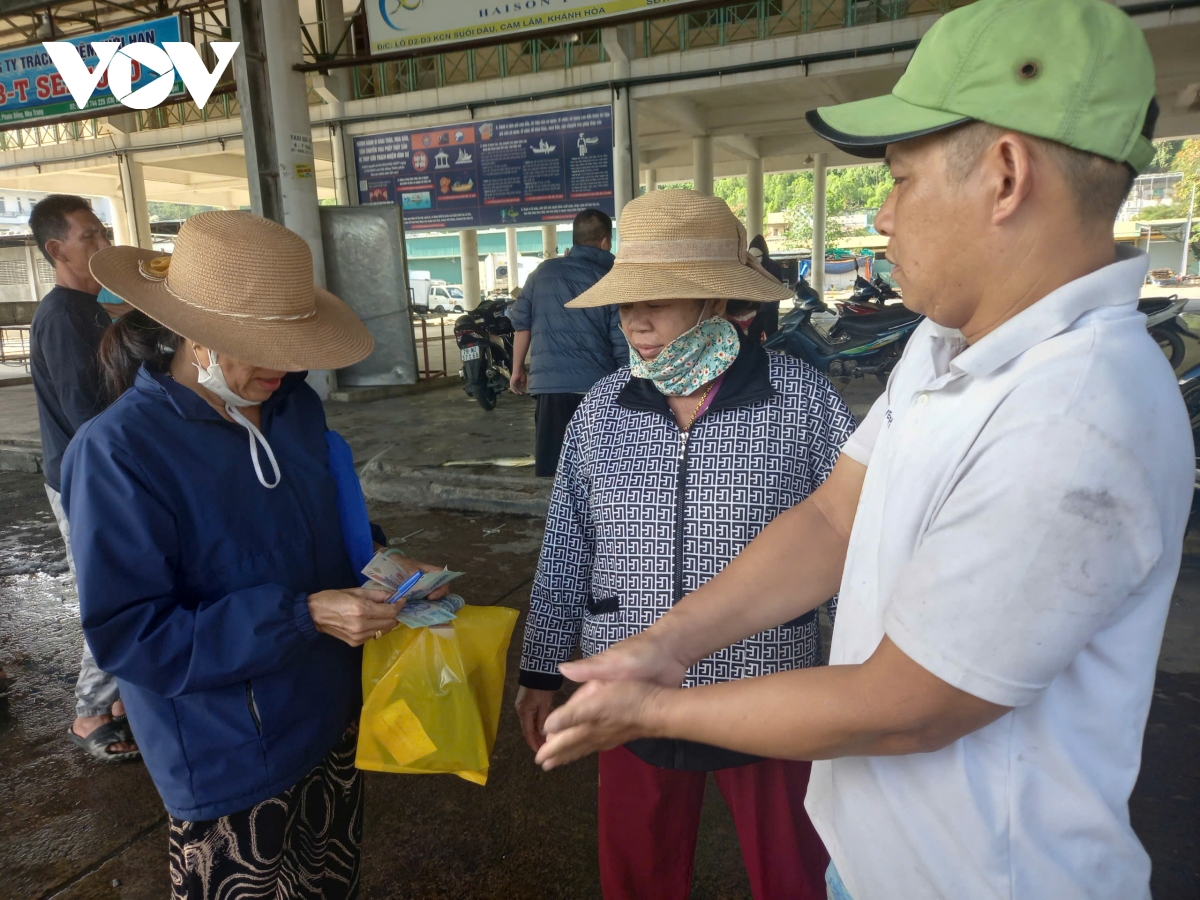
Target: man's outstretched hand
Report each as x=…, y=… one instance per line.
x=614, y=705
x=599, y=716
x=643, y=657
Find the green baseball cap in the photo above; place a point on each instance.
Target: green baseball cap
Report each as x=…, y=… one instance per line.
x=1073, y=71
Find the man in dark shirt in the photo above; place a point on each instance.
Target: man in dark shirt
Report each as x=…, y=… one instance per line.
x=64, y=338
x=570, y=349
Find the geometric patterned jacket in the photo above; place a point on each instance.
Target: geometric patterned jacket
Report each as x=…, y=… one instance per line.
x=643, y=513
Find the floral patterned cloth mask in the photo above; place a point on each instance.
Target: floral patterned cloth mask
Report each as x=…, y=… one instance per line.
x=690, y=361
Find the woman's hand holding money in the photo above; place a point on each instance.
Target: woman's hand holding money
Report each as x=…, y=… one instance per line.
x=354, y=615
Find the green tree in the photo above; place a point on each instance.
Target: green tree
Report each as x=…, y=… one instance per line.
x=1187, y=161
x=848, y=190
x=161, y=211
x=733, y=192
x=1164, y=156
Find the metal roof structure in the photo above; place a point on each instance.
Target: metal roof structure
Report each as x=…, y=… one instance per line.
x=25, y=22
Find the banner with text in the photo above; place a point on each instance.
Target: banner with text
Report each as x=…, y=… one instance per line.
x=520, y=171
x=404, y=24
x=31, y=88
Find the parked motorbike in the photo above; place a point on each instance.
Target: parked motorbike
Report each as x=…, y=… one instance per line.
x=485, y=342
x=854, y=345
x=1166, y=325
x=1189, y=384
x=868, y=297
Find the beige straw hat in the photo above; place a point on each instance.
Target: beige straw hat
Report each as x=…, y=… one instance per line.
x=681, y=245
x=241, y=285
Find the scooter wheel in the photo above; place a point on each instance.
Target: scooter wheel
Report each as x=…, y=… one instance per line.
x=1171, y=344
x=486, y=397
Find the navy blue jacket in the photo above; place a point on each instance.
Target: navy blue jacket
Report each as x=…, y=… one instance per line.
x=63, y=340
x=193, y=585
x=569, y=349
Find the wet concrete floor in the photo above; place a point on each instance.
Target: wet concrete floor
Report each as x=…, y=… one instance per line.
x=74, y=828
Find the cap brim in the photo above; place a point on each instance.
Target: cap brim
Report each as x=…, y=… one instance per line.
x=866, y=127
x=332, y=338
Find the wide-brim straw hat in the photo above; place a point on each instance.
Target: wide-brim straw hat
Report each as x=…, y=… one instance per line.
x=681, y=245
x=240, y=285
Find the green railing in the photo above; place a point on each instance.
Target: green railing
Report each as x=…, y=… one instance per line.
x=715, y=27
x=187, y=112
x=538, y=54
x=738, y=22
x=53, y=133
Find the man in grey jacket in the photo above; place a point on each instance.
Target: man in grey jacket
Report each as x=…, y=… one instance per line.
x=570, y=349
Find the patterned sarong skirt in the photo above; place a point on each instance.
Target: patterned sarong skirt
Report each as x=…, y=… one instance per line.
x=302, y=844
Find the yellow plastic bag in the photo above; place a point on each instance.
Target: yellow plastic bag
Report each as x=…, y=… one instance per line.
x=432, y=695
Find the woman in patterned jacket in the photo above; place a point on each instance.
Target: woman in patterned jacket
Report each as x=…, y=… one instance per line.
x=670, y=467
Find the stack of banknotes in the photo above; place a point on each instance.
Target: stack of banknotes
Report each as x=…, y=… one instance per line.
x=384, y=572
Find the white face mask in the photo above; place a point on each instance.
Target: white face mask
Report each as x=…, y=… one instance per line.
x=213, y=379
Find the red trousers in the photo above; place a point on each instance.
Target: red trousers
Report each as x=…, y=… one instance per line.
x=649, y=819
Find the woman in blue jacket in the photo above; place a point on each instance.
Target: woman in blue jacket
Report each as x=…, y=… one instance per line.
x=214, y=579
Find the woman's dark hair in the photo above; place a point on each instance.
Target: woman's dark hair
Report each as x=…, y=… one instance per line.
x=133, y=339
x=740, y=308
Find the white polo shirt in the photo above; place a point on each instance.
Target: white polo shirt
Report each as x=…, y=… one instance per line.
x=1019, y=535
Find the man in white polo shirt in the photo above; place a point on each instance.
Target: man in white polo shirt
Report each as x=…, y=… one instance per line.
x=1005, y=526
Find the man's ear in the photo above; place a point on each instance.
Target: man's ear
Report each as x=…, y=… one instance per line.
x=606, y=244
x=54, y=248
x=1009, y=166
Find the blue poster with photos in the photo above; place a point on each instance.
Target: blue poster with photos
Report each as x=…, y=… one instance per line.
x=523, y=170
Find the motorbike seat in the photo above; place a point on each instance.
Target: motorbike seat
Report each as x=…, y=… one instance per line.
x=876, y=322
x=1151, y=305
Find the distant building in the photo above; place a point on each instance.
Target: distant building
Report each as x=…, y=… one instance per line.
x=1150, y=190
x=16, y=205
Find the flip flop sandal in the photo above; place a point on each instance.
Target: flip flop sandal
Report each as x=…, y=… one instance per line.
x=96, y=744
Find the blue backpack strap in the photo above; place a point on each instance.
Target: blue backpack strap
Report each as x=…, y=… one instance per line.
x=352, y=505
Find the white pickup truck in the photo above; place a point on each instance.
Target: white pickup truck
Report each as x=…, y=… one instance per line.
x=445, y=298
x=431, y=296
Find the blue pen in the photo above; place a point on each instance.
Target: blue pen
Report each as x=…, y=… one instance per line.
x=406, y=587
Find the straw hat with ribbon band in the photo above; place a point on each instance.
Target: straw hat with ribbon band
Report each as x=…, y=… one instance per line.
x=681, y=245
x=242, y=286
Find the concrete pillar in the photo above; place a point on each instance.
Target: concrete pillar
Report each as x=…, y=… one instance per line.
x=549, y=241
x=136, y=218
x=1187, y=232
x=338, y=151
x=347, y=142
x=702, y=164
x=651, y=180
x=754, y=198
x=619, y=44
x=514, y=268
x=276, y=128
x=31, y=255
x=121, y=230
x=131, y=215
x=820, y=196
x=468, y=254
x=623, y=167
x=334, y=88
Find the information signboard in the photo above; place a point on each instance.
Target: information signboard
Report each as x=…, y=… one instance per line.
x=31, y=88
x=403, y=24
x=518, y=171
